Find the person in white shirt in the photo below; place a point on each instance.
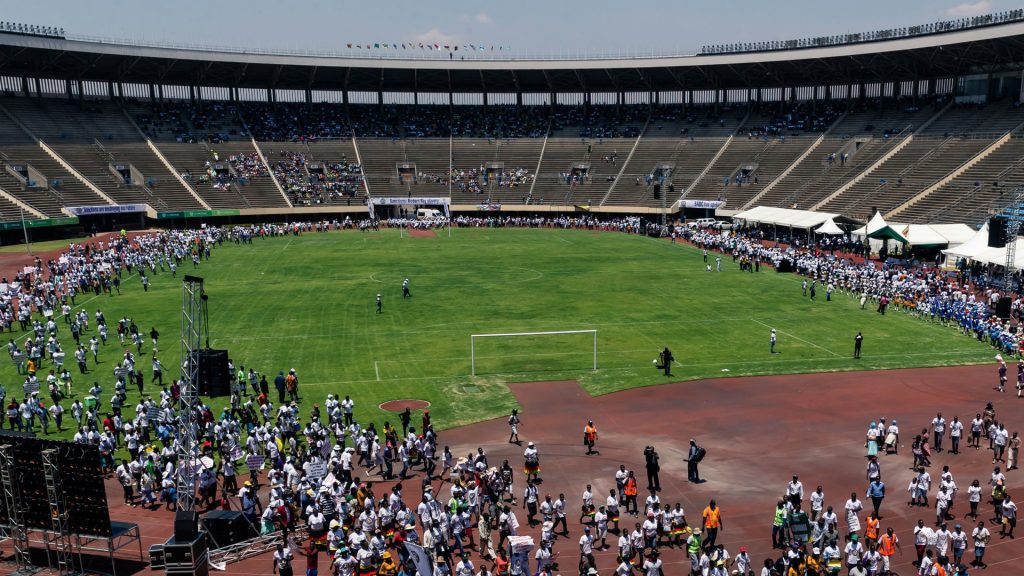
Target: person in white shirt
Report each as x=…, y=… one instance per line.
x=956, y=431
x=939, y=430
x=924, y=567
x=1009, y=517
x=601, y=522
x=624, y=568
x=981, y=536
x=817, y=502
x=587, y=547
x=465, y=567
x=853, y=508
x=1002, y=435
x=924, y=483
x=977, y=426
x=974, y=498
x=922, y=536
x=853, y=551
x=892, y=438
x=795, y=491
x=942, y=540
x=958, y=539
x=742, y=562
x=653, y=565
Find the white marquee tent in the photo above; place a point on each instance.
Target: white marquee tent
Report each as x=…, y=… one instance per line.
x=998, y=255
x=973, y=246
x=917, y=234
x=802, y=219
x=829, y=227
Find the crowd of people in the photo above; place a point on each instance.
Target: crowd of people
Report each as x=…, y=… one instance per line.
x=312, y=467
x=925, y=292
x=317, y=182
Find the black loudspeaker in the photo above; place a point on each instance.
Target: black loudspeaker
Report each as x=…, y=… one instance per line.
x=186, y=525
x=214, y=377
x=1003, y=307
x=784, y=266
x=225, y=527
x=997, y=232
x=657, y=191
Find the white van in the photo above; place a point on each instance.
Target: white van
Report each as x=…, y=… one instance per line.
x=428, y=214
x=702, y=222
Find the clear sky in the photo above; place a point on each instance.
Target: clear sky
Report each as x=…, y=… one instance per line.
x=537, y=27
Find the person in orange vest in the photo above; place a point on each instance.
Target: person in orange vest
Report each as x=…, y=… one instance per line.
x=629, y=491
x=590, y=437
x=888, y=544
x=871, y=529
x=711, y=524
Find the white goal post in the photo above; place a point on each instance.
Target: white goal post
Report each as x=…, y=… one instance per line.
x=473, y=337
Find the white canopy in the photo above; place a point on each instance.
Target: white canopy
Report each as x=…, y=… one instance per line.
x=974, y=245
x=804, y=219
x=918, y=234
x=829, y=227
x=998, y=255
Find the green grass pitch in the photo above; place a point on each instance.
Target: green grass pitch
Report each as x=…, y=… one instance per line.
x=308, y=303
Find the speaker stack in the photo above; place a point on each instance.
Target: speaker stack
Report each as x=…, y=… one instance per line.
x=186, y=552
x=1003, y=307
x=997, y=232
x=214, y=376
x=225, y=527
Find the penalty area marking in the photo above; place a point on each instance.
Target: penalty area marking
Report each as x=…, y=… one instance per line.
x=794, y=337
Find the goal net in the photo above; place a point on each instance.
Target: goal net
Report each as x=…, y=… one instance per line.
x=518, y=352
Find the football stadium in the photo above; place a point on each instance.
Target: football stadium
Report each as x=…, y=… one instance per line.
x=408, y=308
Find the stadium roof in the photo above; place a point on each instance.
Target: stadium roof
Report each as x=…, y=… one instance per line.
x=948, y=54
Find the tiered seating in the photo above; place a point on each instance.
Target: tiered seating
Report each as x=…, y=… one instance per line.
x=340, y=178
x=598, y=121
x=181, y=122
x=519, y=156
x=970, y=197
x=380, y=156
x=160, y=185
x=633, y=189
x=253, y=182
x=43, y=200
x=469, y=155
x=992, y=119
x=68, y=190
x=915, y=167
x=94, y=164
x=57, y=121
x=9, y=211
x=561, y=154
x=815, y=178
x=768, y=158
x=194, y=162
x=884, y=120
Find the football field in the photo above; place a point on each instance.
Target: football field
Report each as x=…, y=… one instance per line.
x=308, y=303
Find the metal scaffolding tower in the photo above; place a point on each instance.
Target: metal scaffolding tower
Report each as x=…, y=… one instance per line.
x=12, y=499
x=60, y=535
x=1014, y=214
x=193, y=330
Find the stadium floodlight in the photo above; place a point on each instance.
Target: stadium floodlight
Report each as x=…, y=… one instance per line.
x=473, y=337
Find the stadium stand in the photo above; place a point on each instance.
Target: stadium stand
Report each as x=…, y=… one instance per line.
x=511, y=155
x=981, y=190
